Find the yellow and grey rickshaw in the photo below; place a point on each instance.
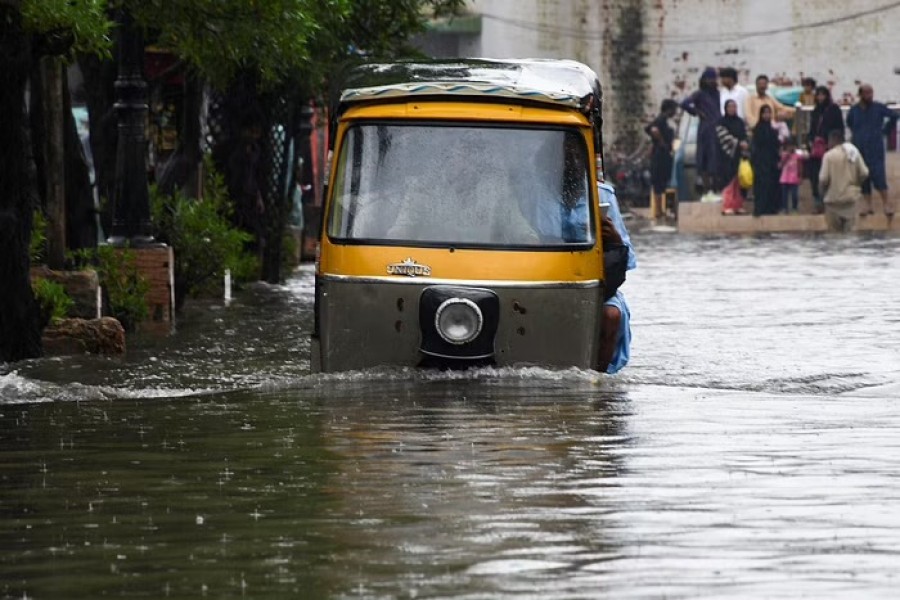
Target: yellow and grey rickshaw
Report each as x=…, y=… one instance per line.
x=462, y=224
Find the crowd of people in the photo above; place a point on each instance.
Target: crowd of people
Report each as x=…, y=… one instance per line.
x=742, y=132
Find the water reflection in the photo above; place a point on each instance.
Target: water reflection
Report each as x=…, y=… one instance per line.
x=750, y=451
x=440, y=487
x=481, y=486
x=173, y=498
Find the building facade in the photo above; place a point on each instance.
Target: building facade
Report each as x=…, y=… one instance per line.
x=648, y=50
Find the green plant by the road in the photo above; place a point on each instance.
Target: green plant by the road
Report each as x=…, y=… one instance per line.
x=38, y=243
x=203, y=237
x=126, y=289
x=55, y=303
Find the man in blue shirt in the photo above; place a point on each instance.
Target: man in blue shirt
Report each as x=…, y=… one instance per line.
x=870, y=121
x=615, y=332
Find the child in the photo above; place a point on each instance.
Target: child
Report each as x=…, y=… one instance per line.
x=791, y=174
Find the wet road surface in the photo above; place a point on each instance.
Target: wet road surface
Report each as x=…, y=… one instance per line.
x=751, y=450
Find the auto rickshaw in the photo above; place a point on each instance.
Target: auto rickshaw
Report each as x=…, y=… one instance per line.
x=462, y=224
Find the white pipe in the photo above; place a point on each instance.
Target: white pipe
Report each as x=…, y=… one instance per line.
x=227, y=286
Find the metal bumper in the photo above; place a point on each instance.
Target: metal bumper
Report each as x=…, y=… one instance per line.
x=370, y=322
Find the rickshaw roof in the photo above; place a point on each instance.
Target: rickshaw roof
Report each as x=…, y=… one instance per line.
x=560, y=82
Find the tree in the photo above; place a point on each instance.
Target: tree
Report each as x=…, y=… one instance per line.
x=222, y=38
x=260, y=55
x=28, y=30
x=372, y=29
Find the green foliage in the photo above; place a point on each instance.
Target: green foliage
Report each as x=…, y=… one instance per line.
x=382, y=28
x=223, y=37
x=125, y=287
x=201, y=232
x=38, y=243
x=84, y=20
x=283, y=39
x=55, y=303
x=376, y=29
x=289, y=249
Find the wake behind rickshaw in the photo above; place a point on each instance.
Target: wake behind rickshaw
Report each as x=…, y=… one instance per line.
x=462, y=223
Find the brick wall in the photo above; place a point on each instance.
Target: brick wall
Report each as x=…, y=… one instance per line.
x=156, y=264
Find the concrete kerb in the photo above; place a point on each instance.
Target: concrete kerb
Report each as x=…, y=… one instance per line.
x=707, y=217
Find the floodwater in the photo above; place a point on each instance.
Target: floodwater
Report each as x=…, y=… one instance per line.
x=751, y=450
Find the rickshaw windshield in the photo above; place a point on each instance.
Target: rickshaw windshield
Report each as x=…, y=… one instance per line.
x=462, y=185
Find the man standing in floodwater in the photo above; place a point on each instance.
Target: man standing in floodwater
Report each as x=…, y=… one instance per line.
x=870, y=121
x=842, y=174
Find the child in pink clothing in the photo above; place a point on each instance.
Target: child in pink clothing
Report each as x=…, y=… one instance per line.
x=791, y=174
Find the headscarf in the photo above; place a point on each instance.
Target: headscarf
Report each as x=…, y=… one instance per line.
x=733, y=123
x=819, y=108
x=764, y=134
x=708, y=79
x=816, y=126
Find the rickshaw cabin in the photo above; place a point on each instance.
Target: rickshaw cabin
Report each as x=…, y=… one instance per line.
x=462, y=225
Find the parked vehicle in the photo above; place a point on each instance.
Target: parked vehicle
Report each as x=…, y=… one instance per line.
x=462, y=223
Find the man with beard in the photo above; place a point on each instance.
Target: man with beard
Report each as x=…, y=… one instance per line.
x=762, y=98
x=870, y=121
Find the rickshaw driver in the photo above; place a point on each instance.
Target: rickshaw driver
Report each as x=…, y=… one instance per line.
x=615, y=328
x=564, y=215
x=563, y=221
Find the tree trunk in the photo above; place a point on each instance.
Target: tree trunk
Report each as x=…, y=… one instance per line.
x=54, y=167
x=20, y=330
x=38, y=128
x=279, y=176
x=81, y=221
x=182, y=170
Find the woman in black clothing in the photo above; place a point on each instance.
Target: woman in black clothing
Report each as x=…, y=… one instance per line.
x=764, y=155
x=732, y=144
x=825, y=118
x=732, y=139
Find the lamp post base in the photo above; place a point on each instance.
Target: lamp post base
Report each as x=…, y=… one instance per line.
x=155, y=262
x=138, y=241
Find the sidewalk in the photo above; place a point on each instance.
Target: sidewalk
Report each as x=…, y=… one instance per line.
x=707, y=218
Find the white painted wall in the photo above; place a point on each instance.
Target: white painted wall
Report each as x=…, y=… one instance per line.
x=684, y=36
x=743, y=34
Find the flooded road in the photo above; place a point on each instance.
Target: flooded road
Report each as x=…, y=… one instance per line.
x=751, y=450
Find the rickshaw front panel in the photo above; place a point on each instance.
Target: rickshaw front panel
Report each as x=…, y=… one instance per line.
x=370, y=322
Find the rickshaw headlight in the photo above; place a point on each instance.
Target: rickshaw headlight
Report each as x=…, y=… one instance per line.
x=458, y=321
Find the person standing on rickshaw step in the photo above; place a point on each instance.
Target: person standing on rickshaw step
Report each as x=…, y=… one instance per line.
x=615, y=324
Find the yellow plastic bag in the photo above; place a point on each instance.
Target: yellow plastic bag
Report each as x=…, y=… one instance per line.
x=745, y=174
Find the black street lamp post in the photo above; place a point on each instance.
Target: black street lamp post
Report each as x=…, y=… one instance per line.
x=131, y=199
